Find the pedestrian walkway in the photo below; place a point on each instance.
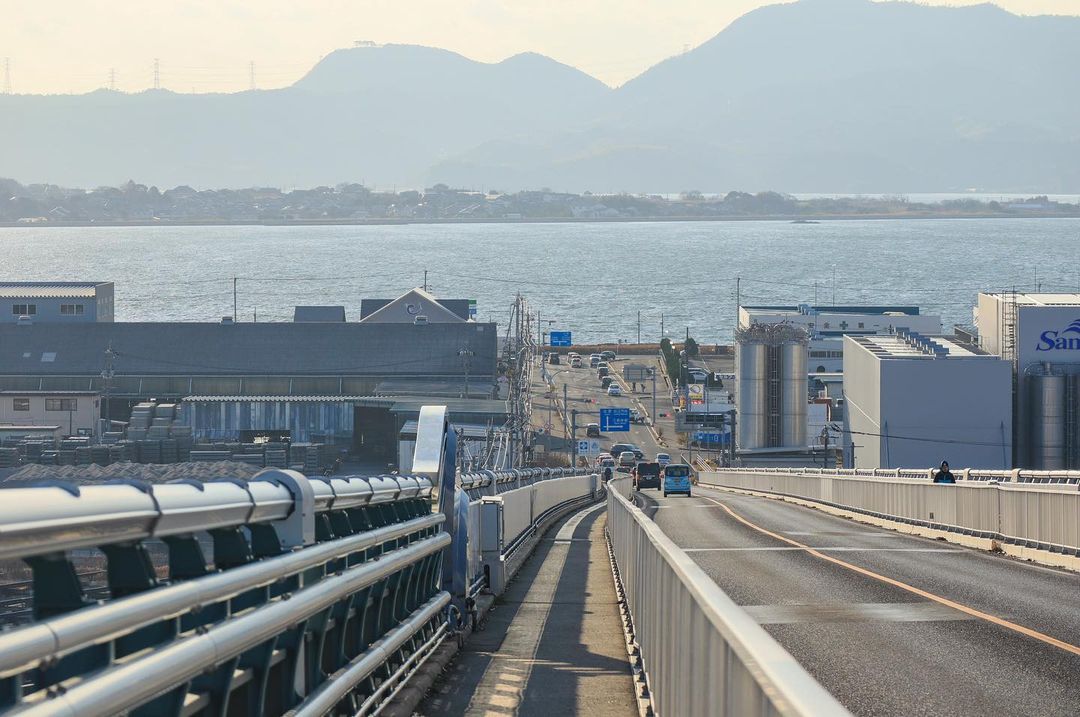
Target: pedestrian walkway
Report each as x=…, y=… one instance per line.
x=553, y=644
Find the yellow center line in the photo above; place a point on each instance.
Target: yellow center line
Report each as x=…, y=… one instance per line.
x=1067, y=647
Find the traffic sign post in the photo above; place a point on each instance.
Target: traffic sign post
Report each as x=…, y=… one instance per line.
x=560, y=338
x=613, y=420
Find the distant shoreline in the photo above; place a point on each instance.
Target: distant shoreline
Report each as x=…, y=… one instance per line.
x=807, y=219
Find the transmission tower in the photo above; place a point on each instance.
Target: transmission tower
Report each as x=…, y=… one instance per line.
x=7, y=75
x=251, y=75
x=157, y=74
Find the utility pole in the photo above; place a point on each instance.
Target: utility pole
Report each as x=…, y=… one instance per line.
x=738, y=305
x=653, y=372
x=834, y=284
x=234, y=299
x=466, y=356
x=573, y=437
x=425, y=279
x=251, y=75
x=7, y=75
x=661, y=326
x=639, y=326
x=107, y=376
x=112, y=79
x=157, y=74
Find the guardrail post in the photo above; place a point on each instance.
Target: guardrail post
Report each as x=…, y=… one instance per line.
x=298, y=529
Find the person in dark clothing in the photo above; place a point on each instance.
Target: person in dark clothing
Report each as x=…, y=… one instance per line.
x=944, y=475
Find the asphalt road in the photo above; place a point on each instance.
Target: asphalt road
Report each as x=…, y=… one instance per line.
x=880, y=648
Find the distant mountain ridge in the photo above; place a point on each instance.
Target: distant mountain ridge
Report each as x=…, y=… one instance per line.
x=818, y=95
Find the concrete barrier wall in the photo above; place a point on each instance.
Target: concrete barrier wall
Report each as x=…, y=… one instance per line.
x=1042, y=517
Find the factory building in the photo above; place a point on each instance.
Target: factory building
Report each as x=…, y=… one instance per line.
x=827, y=325
x=1039, y=335
x=771, y=394
x=75, y=413
x=56, y=301
x=912, y=401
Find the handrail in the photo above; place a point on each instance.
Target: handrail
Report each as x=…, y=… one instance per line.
x=1016, y=475
x=41, y=519
x=703, y=654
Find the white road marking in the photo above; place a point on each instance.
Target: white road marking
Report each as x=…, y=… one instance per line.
x=831, y=548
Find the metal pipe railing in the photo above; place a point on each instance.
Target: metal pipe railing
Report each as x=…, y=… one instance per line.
x=1016, y=475
x=38, y=520
x=23, y=647
x=703, y=655
x=130, y=684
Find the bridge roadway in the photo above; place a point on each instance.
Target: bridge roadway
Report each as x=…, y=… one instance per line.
x=879, y=648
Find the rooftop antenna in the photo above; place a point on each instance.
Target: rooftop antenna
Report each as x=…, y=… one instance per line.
x=7, y=75
x=251, y=75
x=157, y=74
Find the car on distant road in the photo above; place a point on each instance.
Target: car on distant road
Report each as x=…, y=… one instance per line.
x=607, y=355
x=606, y=381
x=592, y=430
x=663, y=459
x=614, y=390
x=594, y=360
x=575, y=362
x=618, y=448
x=553, y=358
x=676, y=479
x=602, y=371
x=636, y=417
x=627, y=460
x=646, y=475
x=607, y=468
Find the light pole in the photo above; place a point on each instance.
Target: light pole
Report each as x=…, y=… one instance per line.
x=466, y=356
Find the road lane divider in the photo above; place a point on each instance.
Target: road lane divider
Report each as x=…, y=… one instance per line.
x=993, y=619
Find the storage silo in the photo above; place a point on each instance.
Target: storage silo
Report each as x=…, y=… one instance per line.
x=793, y=393
x=751, y=394
x=1046, y=417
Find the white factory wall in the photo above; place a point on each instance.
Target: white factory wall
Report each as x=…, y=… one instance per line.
x=914, y=413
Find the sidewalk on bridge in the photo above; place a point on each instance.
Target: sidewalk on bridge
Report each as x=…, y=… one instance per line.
x=553, y=643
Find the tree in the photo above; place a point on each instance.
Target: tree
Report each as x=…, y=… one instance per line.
x=691, y=347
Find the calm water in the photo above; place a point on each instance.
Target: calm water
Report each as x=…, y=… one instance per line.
x=592, y=278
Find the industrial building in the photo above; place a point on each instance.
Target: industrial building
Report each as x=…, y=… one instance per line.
x=74, y=412
x=771, y=395
x=827, y=325
x=56, y=301
x=912, y=401
x=1039, y=335
x=418, y=302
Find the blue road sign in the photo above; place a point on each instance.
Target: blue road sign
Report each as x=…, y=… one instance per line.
x=560, y=338
x=614, y=419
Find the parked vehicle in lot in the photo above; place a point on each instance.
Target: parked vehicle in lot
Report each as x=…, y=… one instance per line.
x=592, y=430
x=594, y=360
x=676, y=478
x=613, y=389
x=553, y=358
x=602, y=371
x=646, y=475
x=606, y=381
x=663, y=459
x=627, y=459
x=607, y=355
x=575, y=362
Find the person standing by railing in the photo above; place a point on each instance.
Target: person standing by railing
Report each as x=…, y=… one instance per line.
x=944, y=475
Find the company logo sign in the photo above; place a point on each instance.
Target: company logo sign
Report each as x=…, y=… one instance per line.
x=414, y=309
x=1068, y=339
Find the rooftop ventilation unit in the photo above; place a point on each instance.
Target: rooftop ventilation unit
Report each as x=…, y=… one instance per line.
x=226, y=320
x=24, y=321
x=420, y=321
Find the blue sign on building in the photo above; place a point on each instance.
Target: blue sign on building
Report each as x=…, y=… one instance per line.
x=560, y=338
x=614, y=419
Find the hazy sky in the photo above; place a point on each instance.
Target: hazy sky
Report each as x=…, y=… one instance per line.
x=207, y=45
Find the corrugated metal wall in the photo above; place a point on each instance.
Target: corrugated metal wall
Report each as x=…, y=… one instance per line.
x=332, y=421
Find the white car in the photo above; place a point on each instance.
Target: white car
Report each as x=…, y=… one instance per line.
x=614, y=390
x=663, y=459
x=575, y=362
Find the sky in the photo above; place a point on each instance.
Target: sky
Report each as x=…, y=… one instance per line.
x=66, y=46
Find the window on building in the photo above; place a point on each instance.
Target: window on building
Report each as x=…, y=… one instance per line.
x=861, y=326
x=20, y=404
x=24, y=309
x=72, y=309
x=826, y=324
x=61, y=404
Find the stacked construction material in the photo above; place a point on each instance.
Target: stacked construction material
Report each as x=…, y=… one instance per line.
x=9, y=457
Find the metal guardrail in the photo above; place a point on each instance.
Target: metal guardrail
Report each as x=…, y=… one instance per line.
x=308, y=579
x=1017, y=475
x=703, y=655
x=1027, y=514
x=484, y=483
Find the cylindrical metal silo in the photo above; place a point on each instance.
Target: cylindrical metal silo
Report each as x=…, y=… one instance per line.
x=793, y=409
x=750, y=395
x=1046, y=421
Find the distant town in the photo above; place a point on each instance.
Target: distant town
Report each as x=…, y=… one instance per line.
x=133, y=203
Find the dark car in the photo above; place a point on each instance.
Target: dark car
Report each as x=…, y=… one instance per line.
x=592, y=430
x=618, y=448
x=606, y=381
x=602, y=372
x=607, y=355
x=553, y=359
x=647, y=475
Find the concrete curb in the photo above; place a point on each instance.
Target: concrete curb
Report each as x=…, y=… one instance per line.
x=1042, y=557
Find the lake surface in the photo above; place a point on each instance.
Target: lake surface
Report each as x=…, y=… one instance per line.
x=592, y=278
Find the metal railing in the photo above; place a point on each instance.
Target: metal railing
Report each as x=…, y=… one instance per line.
x=1027, y=513
x=1016, y=475
x=702, y=654
x=309, y=580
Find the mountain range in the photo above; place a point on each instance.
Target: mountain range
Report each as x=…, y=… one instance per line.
x=813, y=96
